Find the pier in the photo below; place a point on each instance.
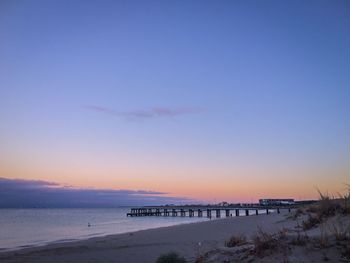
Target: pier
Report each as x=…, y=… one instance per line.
x=205, y=211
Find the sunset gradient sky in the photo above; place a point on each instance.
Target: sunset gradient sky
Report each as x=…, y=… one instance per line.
x=210, y=100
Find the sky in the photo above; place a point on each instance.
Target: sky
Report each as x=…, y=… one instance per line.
x=206, y=100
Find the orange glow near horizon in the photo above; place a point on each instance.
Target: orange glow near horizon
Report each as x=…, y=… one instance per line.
x=213, y=185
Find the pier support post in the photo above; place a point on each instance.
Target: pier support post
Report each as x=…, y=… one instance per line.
x=247, y=212
x=237, y=212
x=267, y=211
x=257, y=212
x=200, y=213
x=218, y=213
x=208, y=213
x=227, y=212
x=183, y=213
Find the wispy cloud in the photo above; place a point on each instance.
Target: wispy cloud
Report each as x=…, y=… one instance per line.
x=142, y=114
x=34, y=193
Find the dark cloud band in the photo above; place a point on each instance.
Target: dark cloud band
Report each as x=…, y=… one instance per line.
x=16, y=193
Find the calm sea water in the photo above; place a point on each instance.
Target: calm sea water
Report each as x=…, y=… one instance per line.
x=21, y=228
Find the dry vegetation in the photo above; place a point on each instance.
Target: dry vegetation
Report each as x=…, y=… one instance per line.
x=324, y=209
x=266, y=243
x=324, y=229
x=171, y=257
x=311, y=222
x=340, y=231
x=236, y=240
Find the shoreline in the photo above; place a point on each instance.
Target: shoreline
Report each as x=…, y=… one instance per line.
x=86, y=238
x=74, y=240
x=188, y=239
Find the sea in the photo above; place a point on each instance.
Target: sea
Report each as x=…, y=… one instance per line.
x=23, y=228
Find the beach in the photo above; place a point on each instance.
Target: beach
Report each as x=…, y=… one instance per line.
x=23, y=228
x=274, y=237
x=189, y=240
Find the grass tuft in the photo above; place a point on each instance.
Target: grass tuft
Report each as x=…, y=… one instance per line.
x=326, y=206
x=345, y=202
x=236, y=240
x=171, y=257
x=298, y=213
x=346, y=251
x=340, y=231
x=265, y=242
x=300, y=240
x=322, y=241
x=310, y=222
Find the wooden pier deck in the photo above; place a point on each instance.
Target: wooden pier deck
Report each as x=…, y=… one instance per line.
x=207, y=211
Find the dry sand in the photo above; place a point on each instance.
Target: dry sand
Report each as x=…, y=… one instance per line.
x=189, y=240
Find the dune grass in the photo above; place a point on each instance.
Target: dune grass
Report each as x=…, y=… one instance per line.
x=171, y=257
x=340, y=231
x=325, y=208
x=236, y=240
x=265, y=242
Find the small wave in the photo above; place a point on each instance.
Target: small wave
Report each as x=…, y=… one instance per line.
x=107, y=223
x=94, y=234
x=25, y=246
x=63, y=240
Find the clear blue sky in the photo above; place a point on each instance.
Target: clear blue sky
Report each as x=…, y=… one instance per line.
x=153, y=94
